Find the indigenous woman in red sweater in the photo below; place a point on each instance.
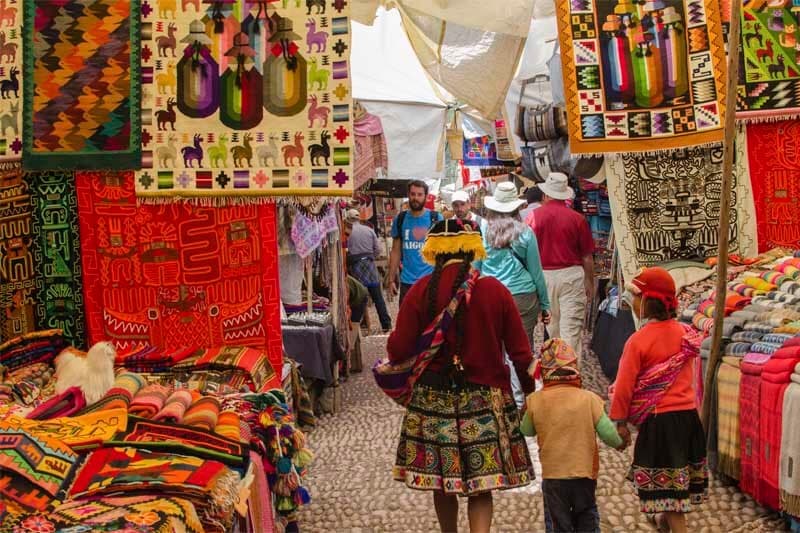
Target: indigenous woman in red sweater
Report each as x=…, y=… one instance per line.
x=461, y=435
x=655, y=390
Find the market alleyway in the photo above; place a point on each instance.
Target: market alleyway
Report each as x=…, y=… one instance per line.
x=352, y=488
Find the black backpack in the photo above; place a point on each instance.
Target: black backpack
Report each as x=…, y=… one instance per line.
x=402, y=218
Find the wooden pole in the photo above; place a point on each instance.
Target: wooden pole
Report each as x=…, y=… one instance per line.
x=725, y=204
x=309, y=285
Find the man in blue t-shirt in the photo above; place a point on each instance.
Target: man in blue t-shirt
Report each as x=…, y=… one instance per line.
x=409, y=230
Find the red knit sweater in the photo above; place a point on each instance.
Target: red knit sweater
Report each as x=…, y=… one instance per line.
x=492, y=320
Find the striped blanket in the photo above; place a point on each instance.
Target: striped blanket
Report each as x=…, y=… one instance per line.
x=728, y=378
x=790, y=451
x=749, y=424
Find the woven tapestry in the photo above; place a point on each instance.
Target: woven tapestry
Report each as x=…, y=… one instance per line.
x=10, y=80
x=82, y=79
x=667, y=206
x=246, y=98
x=177, y=275
x=775, y=179
x=769, y=64
x=40, y=270
x=642, y=76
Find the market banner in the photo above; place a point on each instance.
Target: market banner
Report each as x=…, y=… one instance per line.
x=82, y=84
x=642, y=76
x=246, y=98
x=40, y=267
x=666, y=206
x=177, y=275
x=775, y=179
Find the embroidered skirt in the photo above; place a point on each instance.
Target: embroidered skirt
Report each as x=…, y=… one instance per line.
x=669, y=462
x=462, y=443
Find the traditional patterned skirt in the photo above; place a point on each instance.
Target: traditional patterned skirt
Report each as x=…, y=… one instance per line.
x=669, y=462
x=462, y=443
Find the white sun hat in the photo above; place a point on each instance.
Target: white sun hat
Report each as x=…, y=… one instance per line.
x=556, y=187
x=505, y=199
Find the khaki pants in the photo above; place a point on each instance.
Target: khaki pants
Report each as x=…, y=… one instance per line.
x=567, y=305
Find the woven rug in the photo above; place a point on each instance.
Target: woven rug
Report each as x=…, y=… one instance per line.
x=40, y=282
x=775, y=179
x=642, y=76
x=10, y=81
x=769, y=68
x=77, y=432
x=246, y=98
x=177, y=275
x=666, y=206
x=82, y=84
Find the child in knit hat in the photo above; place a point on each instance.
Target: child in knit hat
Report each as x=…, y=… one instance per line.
x=565, y=418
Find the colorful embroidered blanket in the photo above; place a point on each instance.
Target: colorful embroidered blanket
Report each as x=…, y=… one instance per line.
x=32, y=469
x=142, y=514
x=209, y=485
x=775, y=179
x=77, y=432
x=31, y=348
x=666, y=207
x=246, y=98
x=254, y=362
x=642, y=77
x=769, y=69
x=82, y=84
x=40, y=287
x=177, y=275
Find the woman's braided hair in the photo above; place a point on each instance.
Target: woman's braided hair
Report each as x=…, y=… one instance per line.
x=433, y=290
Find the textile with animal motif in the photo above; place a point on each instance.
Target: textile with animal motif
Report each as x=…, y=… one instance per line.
x=40, y=270
x=210, y=485
x=10, y=80
x=769, y=62
x=77, y=432
x=642, y=76
x=82, y=85
x=775, y=179
x=143, y=514
x=666, y=206
x=246, y=98
x=177, y=275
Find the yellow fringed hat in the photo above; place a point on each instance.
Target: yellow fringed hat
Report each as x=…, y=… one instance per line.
x=453, y=236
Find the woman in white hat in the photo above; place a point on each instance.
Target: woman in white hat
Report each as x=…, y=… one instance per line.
x=512, y=256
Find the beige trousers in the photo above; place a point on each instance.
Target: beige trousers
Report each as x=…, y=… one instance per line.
x=565, y=287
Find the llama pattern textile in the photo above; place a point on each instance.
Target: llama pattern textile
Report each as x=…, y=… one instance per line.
x=10, y=80
x=40, y=281
x=667, y=206
x=177, y=275
x=81, y=90
x=775, y=180
x=246, y=98
x=642, y=76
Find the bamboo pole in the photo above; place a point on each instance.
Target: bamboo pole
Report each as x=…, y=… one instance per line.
x=725, y=200
x=309, y=285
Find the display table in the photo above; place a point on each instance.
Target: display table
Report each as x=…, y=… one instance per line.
x=314, y=348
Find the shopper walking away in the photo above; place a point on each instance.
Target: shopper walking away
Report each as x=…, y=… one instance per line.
x=566, y=247
x=533, y=196
x=363, y=248
x=462, y=208
x=512, y=257
x=460, y=435
x=565, y=418
x=409, y=230
x=655, y=390
x=357, y=299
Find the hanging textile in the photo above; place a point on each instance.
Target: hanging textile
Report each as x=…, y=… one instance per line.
x=642, y=76
x=11, y=82
x=775, y=179
x=666, y=206
x=246, y=98
x=177, y=275
x=372, y=156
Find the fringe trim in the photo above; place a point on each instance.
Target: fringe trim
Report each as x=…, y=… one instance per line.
x=730, y=466
x=223, y=498
x=773, y=116
x=790, y=503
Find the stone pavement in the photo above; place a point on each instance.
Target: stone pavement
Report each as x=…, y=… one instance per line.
x=352, y=489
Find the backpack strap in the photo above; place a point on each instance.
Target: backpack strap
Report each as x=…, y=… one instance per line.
x=401, y=218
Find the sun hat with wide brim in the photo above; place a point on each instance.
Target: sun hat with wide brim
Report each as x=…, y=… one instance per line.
x=556, y=186
x=505, y=199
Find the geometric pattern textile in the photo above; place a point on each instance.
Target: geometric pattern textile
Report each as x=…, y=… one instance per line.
x=769, y=67
x=775, y=179
x=246, y=98
x=81, y=84
x=661, y=69
x=40, y=276
x=177, y=275
x=10, y=80
x=666, y=206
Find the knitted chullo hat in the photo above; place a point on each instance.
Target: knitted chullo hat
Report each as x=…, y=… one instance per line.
x=453, y=236
x=558, y=362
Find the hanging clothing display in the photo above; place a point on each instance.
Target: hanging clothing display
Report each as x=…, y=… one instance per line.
x=372, y=156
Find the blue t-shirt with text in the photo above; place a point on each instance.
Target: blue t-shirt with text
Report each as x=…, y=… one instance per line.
x=414, y=231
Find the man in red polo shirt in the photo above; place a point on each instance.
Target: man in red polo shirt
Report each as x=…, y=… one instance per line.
x=565, y=247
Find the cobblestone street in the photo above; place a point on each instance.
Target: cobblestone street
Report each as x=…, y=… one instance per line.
x=352, y=489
